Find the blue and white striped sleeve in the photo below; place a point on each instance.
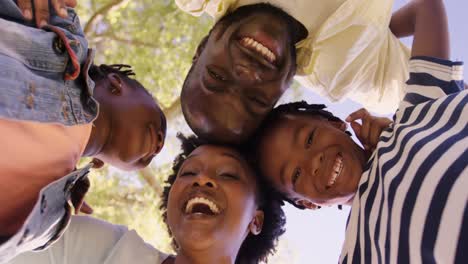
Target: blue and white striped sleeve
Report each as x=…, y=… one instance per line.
x=430, y=79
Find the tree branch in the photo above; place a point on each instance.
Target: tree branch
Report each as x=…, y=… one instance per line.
x=135, y=42
x=148, y=175
x=173, y=110
x=100, y=13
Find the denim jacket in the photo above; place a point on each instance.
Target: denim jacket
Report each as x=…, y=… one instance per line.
x=44, y=73
x=44, y=78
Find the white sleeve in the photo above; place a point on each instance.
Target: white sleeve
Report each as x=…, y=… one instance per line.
x=91, y=241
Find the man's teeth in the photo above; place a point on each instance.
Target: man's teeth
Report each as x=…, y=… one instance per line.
x=252, y=44
x=200, y=200
x=336, y=171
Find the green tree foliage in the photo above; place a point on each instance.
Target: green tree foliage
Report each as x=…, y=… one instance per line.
x=159, y=41
x=156, y=38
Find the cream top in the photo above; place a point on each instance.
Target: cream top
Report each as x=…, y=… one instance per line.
x=350, y=51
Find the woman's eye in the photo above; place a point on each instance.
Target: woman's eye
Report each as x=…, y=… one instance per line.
x=216, y=76
x=187, y=173
x=309, y=140
x=230, y=176
x=296, y=174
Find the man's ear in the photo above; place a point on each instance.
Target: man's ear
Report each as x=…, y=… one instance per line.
x=200, y=48
x=256, y=224
x=116, y=83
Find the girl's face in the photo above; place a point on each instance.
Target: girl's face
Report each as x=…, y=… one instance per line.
x=212, y=204
x=311, y=160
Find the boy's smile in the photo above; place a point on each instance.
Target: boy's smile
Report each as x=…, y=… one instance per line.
x=312, y=159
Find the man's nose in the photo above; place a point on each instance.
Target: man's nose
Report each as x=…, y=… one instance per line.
x=246, y=74
x=204, y=180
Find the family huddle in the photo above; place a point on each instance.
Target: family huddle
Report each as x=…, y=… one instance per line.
x=405, y=179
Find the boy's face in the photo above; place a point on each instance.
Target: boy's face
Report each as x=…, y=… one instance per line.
x=311, y=160
x=212, y=202
x=132, y=132
x=237, y=77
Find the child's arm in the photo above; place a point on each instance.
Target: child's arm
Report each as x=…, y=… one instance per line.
x=402, y=21
x=431, y=35
x=427, y=21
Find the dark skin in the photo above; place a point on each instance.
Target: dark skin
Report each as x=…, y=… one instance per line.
x=221, y=175
x=298, y=155
x=42, y=9
x=127, y=133
x=237, y=85
x=430, y=39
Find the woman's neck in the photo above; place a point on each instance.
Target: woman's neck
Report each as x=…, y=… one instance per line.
x=202, y=258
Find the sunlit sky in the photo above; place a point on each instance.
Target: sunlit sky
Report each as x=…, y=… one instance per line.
x=317, y=236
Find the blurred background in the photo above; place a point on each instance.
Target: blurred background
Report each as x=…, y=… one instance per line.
x=159, y=41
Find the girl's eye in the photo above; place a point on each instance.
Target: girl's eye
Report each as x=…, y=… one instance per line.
x=216, y=76
x=310, y=139
x=295, y=177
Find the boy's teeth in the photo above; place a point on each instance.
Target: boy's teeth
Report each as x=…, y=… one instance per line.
x=201, y=200
x=258, y=47
x=337, y=168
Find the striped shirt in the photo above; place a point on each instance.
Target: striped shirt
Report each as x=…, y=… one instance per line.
x=411, y=204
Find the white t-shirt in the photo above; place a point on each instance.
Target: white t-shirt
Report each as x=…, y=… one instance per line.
x=92, y=241
x=350, y=51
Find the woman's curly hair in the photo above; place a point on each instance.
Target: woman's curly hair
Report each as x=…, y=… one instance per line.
x=255, y=248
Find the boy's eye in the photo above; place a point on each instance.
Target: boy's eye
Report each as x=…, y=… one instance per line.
x=309, y=139
x=295, y=176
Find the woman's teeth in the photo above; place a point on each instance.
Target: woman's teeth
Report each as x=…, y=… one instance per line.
x=201, y=205
x=258, y=47
x=336, y=171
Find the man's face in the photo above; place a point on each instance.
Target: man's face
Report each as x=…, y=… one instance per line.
x=237, y=78
x=311, y=160
x=213, y=201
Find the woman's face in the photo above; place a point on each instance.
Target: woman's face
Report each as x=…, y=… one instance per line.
x=212, y=203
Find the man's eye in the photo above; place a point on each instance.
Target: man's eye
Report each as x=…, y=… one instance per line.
x=216, y=76
x=296, y=174
x=309, y=140
x=259, y=102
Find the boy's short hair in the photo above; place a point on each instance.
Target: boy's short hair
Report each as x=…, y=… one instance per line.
x=255, y=248
x=293, y=108
x=97, y=73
